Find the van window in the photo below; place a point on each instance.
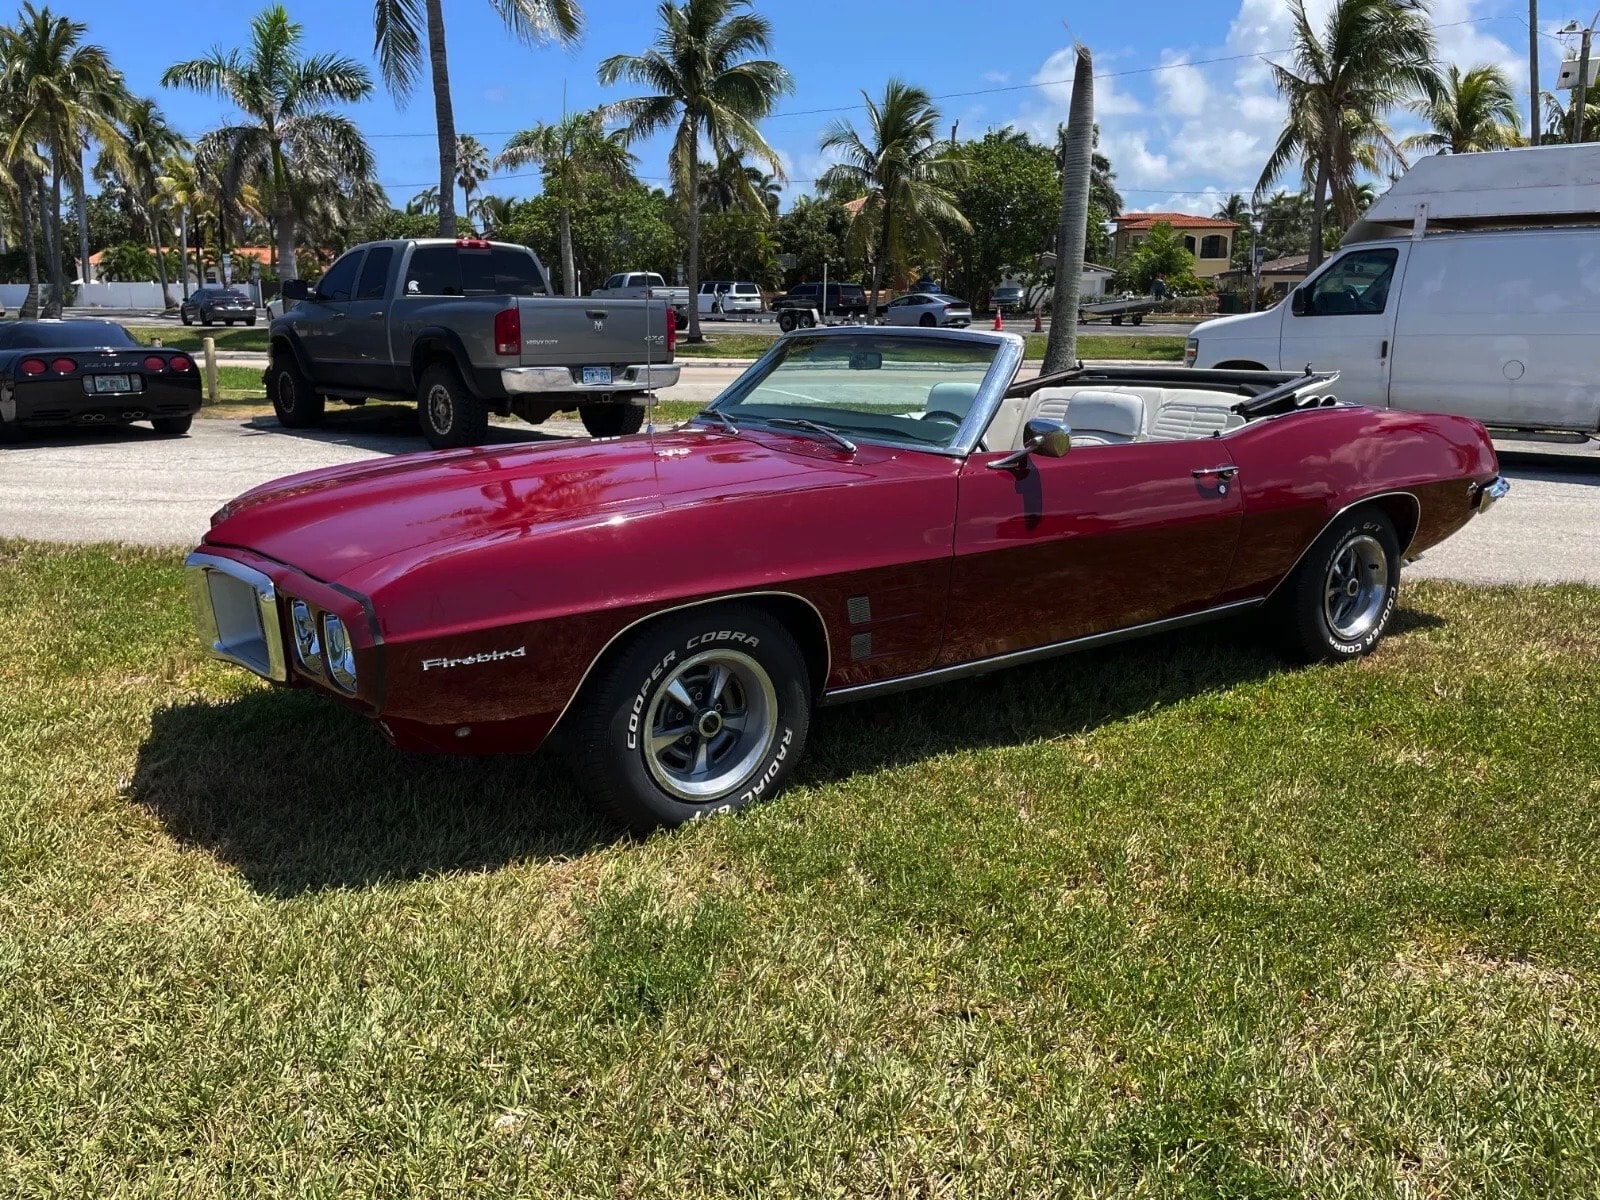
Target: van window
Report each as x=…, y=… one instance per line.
x=1356, y=285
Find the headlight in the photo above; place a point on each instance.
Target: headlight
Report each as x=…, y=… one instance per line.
x=341, y=658
x=307, y=643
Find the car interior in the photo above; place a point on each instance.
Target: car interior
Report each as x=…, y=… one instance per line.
x=1107, y=415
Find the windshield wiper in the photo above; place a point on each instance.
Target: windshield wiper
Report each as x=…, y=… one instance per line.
x=711, y=414
x=838, y=439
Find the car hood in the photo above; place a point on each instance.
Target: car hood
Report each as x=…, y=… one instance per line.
x=361, y=524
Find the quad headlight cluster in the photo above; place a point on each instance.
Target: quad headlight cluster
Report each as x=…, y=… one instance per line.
x=322, y=645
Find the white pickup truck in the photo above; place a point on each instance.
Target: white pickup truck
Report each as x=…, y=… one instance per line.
x=646, y=285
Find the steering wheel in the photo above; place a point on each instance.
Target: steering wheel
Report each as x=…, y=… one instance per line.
x=940, y=414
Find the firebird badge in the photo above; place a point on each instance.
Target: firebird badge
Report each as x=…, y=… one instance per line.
x=473, y=660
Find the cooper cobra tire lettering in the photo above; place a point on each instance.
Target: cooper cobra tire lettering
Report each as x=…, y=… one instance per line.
x=636, y=713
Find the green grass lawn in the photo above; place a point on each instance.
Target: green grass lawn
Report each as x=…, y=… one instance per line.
x=1167, y=919
x=1157, y=348
x=180, y=337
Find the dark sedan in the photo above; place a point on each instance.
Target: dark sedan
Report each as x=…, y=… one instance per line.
x=89, y=374
x=208, y=305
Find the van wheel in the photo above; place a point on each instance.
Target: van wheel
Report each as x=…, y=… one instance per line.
x=450, y=415
x=700, y=714
x=1339, y=601
x=295, y=402
x=611, y=420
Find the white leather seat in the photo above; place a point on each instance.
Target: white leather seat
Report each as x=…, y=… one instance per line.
x=1096, y=418
x=954, y=397
x=1190, y=415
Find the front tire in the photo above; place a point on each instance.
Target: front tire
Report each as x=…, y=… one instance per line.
x=786, y=320
x=205, y=318
x=697, y=715
x=172, y=426
x=183, y=315
x=296, y=403
x=450, y=415
x=611, y=420
x=1341, y=598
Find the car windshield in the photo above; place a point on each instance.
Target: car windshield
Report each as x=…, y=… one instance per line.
x=871, y=386
x=64, y=335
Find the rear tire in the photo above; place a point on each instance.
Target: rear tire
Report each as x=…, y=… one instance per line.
x=611, y=420
x=172, y=426
x=734, y=740
x=1338, y=603
x=786, y=321
x=297, y=404
x=450, y=415
x=927, y=321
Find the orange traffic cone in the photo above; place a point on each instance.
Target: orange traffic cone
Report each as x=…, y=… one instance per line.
x=998, y=323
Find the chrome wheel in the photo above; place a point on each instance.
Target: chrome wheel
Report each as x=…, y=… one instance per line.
x=441, y=409
x=710, y=725
x=1356, y=588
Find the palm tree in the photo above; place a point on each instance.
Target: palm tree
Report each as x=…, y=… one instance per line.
x=287, y=138
x=1561, y=120
x=424, y=202
x=494, y=213
x=60, y=94
x=150, y=142
x=1072, y=231
x=1472, y=111
x=472, y=167
x=1235, y=208
x=702, y=81
x=398, y=30
x=1371, y=55
x=574, y=153
x=904, y=170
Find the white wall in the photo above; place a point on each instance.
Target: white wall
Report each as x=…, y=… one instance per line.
x=12, y=295
x=120, y=295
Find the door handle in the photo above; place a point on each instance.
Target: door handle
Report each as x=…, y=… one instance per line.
x=1383, y=351
x=338, y=316
x=377, y=316
x=1219, y=472
x=595, y=314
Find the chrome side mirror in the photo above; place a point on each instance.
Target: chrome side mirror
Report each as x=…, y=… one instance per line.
x=1046, y=438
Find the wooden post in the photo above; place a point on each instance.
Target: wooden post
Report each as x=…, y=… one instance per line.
x=209, y=345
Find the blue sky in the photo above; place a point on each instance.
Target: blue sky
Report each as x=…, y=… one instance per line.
x=1182, y=128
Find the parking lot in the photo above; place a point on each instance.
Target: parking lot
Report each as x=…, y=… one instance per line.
x=130, y=485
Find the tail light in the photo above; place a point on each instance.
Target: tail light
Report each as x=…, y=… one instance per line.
x=473, y=243
x=180, y=362
x=34, y=366
x=155, y=364
x=64, y=366
x=508, y=331
x=672, y=331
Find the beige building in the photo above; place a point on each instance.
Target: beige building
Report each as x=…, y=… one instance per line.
x=1209, y=239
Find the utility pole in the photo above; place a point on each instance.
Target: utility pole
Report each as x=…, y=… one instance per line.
x=1533, y=72
x=1582, y=93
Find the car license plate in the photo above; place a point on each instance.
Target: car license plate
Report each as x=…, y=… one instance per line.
x=596, y=375
x=112, y=383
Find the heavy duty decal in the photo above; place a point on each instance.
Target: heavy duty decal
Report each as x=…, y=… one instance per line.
x=473, y=660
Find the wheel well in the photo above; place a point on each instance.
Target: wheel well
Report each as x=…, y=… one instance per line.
x=427, y=352
x=1239, y=365
x=1404, y=512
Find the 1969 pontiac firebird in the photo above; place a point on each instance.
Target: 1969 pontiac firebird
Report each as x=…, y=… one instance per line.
x=861, y=512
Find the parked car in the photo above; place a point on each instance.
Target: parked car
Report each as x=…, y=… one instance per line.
x=863, y=511
x=737, y=298
x=1488, y=307
x=848, y=300
x=465, y=328
x=646, y=285
x=1007, y=297
x=91, y=374
x=214, y=303
x=933, y=308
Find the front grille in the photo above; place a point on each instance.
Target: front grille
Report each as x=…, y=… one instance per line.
x=236, y=612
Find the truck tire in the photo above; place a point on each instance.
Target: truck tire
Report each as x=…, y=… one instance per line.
x=611, y=420
x=450, y=415
x=786, y=320
x=295, y=402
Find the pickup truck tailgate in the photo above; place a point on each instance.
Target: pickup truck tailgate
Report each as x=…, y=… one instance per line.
x=587, y=331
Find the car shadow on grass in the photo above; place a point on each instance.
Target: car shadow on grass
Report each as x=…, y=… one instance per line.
x=300, y=795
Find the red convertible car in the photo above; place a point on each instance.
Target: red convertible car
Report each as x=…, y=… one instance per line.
x=861, y=512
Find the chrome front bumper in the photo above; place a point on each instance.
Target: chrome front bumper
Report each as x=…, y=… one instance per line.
x=1484, y=496
x=235, y=611
x=522, y=381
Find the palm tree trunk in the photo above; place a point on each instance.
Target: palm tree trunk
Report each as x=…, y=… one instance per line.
x=1319, y=201
x=693, y=200
x=1072, y=231
x=444, y=118
x=183, y=250
x=569, y=282
x=83, y=219
x=288, y=268
x=879, y=260
x=161, y=262
x=30, y=306
x=58, y=268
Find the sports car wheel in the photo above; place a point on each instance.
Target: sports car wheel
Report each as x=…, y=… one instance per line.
x=450, y=415
x=1341, y=598
x=295, y=402
x=611, y=420
x=172, y=426
x=698, y=715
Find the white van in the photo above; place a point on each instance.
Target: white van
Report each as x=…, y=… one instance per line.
x=1471, y=287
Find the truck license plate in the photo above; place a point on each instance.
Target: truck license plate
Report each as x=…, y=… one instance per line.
x=596, y=375
x=112, y=383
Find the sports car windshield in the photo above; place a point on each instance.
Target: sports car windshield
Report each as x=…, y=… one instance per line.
x=867, y=386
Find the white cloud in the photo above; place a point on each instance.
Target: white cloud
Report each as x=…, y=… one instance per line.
x=1000, y=78
x=1184, y=88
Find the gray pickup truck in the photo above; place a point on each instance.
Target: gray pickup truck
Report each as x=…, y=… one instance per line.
x=465, y=328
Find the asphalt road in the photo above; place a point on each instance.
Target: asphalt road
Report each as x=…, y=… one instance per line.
x=130, y=485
